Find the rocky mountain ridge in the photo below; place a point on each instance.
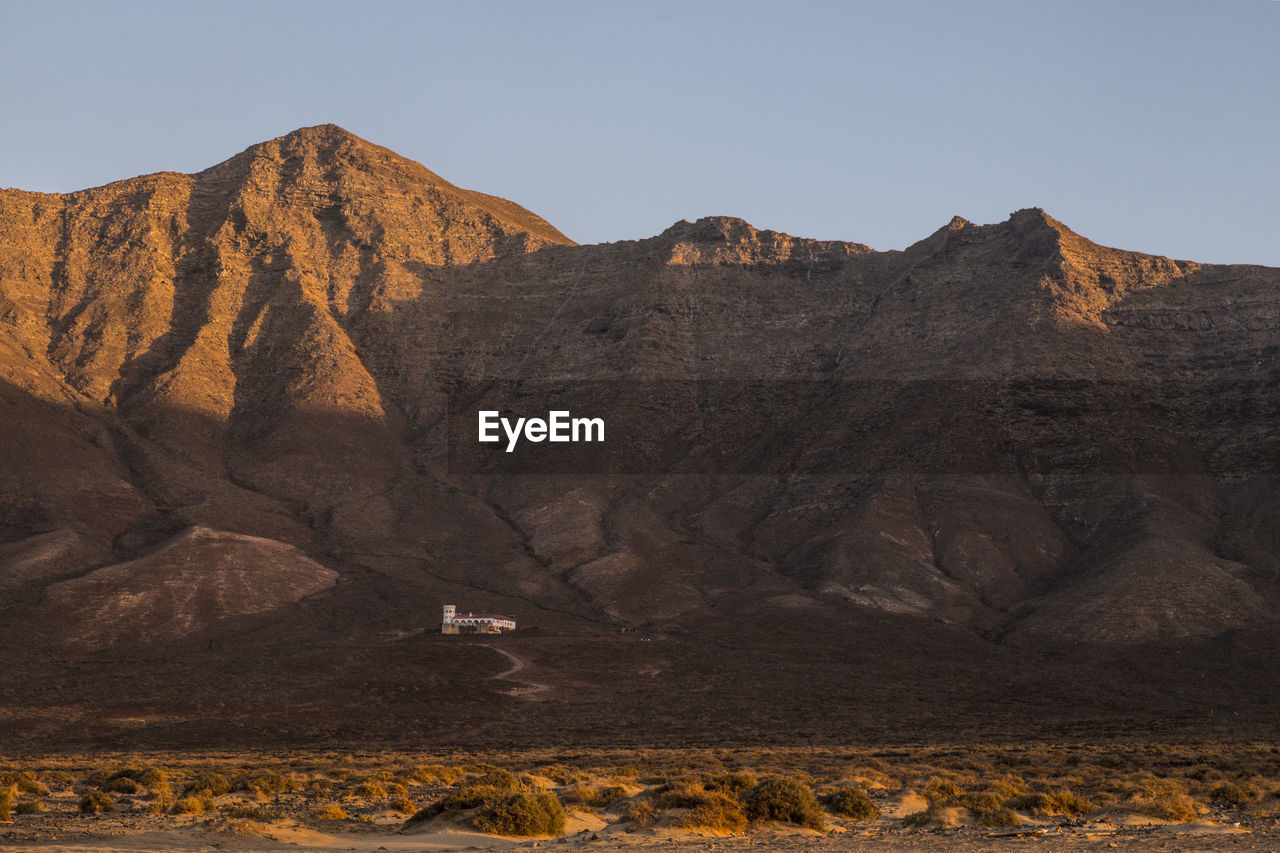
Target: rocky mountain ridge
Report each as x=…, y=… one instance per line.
x=238, y=383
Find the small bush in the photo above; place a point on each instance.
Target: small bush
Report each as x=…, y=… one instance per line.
x=192, y=805
x=150, y=777
x=121, y=785
x=939, y=791
x=487, y=790
x=371, y=790
x=97, y=778
x=438, y=773
x=248, y=812
x=402, y=804
x=785, y=800
x=874, y=773
x=264, y=785
x=734, y=784
x=641, y=812
x=717, y=812
x=208, y=785
x=26, y=783
x=851, y=802
x=681, y=795
x=523, y=814
x=1162, y=798
x=989, y=809
x=332, y=811
x=29, y=807
x=7, y=794
x=58, y=777
x=559, y=773
x=320, y=787
x=593, y=797
x=482, y=769
x=96, y=803
x=1234, y=796
x=1061, y=802
x=1008, y=787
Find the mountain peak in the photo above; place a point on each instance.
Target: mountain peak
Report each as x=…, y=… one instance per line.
x=1029, y=218
x=328, y=130
x=329, y=162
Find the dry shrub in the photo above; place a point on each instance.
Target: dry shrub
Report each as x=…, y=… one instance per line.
x=560, y=774
x=733, y=784
x=785, y=800
x=1161, y=797
x=1008, y=786
x=481, y=769
x=940, y=790
x=319, y=786
x=8, y=793
x=1235, y=796
x=26, y=783
x=192, y=805
x=489, y=789
x=681, y=795
x=332, y=811
x=437, y=773
x=96, y=802
x=29, y=807
x=522, y=814
x=876, y=775
x=208, y=785
x=97, y=777
x=989, y=809
x=851, y=802
x=402, y=804
x=122, y=785
x=717, y=812
x=372, y=790
x=1061, y=802
x=58, y=777
x=264, y=785
x=248, y=812
x=1205, y=773
x=154, y=778
x=642, y=812
x=591, y=796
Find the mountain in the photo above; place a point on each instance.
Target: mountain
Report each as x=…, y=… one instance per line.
x=238, y=462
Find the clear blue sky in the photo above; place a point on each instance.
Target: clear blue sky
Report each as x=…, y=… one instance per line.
x=1147, y=125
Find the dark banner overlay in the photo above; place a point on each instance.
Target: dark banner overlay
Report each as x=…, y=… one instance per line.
x=818, y=427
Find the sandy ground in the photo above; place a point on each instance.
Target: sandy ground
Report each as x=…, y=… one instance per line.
x=116, y=837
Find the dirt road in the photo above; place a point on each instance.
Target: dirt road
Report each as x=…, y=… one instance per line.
x=530, y=688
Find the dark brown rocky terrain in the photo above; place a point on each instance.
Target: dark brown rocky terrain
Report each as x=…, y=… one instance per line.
x=1004, y=480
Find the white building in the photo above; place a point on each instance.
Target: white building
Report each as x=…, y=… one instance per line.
x=474, y=623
